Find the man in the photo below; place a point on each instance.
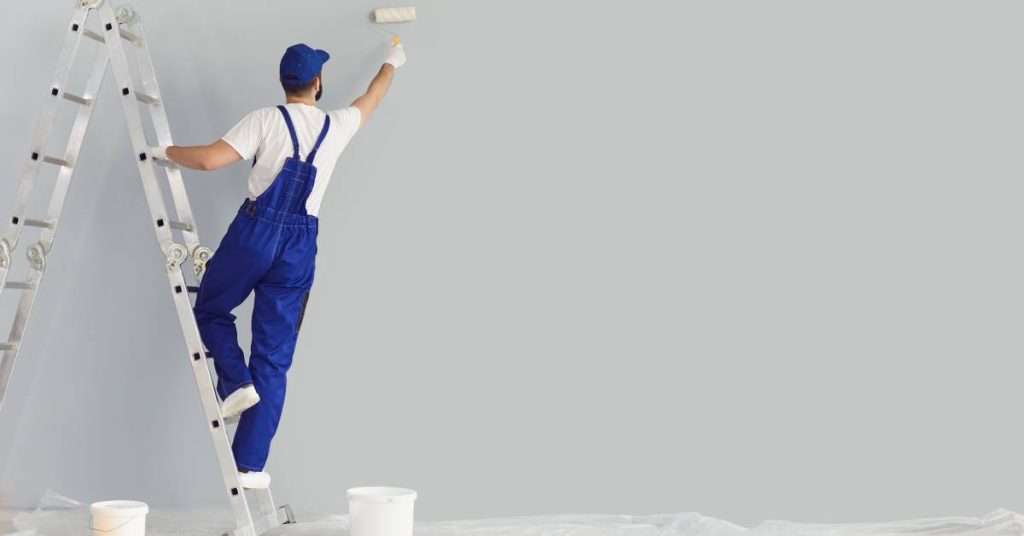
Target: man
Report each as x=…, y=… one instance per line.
x=270, y=246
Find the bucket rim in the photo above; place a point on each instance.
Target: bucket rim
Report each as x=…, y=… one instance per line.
x=120, y=507
x=381, y=494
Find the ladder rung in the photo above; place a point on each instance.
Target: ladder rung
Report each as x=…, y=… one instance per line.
x=5, y=346
x=148, y=99
x=165, y=163
x=75, y=98
x=181, y=226
x=56, y=161
x=94, y=36
x=131, y=37
x=38, y=223
x=19, y=285
x=193, y=290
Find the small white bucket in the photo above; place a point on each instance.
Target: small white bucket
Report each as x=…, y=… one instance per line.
x=118, y=518
x=380, y=511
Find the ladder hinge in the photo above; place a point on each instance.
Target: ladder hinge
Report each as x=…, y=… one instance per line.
x=37, y=255
x=5, y=254
x=200, y=256
x=176, y=255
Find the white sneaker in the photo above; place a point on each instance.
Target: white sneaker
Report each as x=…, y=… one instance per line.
x=239, y=401
x=254, y=480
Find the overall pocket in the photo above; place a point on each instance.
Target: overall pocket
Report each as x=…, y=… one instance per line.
x=302, y=311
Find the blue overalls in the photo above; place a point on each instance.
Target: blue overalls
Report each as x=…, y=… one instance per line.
x=270, y=247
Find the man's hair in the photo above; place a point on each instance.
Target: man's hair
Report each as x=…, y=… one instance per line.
x=297, y=90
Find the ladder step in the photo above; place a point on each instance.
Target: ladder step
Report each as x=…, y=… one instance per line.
x=75, y=98
x=7, y=346
x=131, y=37
x=56, y=161
x=124, y=33
x=181, y=226
x=20, y=285
x=94, y=36
x=38, y=223
x=148, y=99
x=165, y=163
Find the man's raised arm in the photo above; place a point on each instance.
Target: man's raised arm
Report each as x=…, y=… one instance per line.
x=380, y=84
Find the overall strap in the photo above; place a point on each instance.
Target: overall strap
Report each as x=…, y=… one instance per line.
x=323, y=134
x=291, y=130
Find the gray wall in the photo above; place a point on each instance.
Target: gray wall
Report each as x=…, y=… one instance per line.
x=753, y=259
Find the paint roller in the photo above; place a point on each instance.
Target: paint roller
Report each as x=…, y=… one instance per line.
x=389, y=15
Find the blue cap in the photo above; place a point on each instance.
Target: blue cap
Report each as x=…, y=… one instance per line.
x=301, y=64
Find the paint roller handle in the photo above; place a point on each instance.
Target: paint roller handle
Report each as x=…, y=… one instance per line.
x=396, y=56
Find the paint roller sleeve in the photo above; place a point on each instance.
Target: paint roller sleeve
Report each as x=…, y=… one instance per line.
x=394, y=14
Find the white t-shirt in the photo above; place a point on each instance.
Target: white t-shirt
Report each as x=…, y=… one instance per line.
x=264, y=134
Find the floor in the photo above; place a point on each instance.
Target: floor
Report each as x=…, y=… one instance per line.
x=74, y=522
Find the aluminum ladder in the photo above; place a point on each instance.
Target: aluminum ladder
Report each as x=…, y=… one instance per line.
x=116, y=30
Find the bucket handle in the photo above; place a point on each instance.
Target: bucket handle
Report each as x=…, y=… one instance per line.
x=119, y=527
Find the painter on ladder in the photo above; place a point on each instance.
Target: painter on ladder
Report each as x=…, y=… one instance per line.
x=270, y=246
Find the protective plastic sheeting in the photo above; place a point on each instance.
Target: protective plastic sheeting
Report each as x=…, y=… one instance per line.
x=60, y=516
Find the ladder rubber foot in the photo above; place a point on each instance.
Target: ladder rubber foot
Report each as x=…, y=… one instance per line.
x=289, y=516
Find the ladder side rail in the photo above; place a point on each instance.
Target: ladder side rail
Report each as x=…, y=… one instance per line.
x=265, y=501
x=78, y=132
x=57, y=198
x=267, y=521
x=176, y=254
x=30, y=173
x=208, y=397
x=17, y=333
x=161, y=126
x=137, y=134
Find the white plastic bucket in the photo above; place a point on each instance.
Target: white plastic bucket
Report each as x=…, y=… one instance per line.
x=380, y=511
x=118, y=518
